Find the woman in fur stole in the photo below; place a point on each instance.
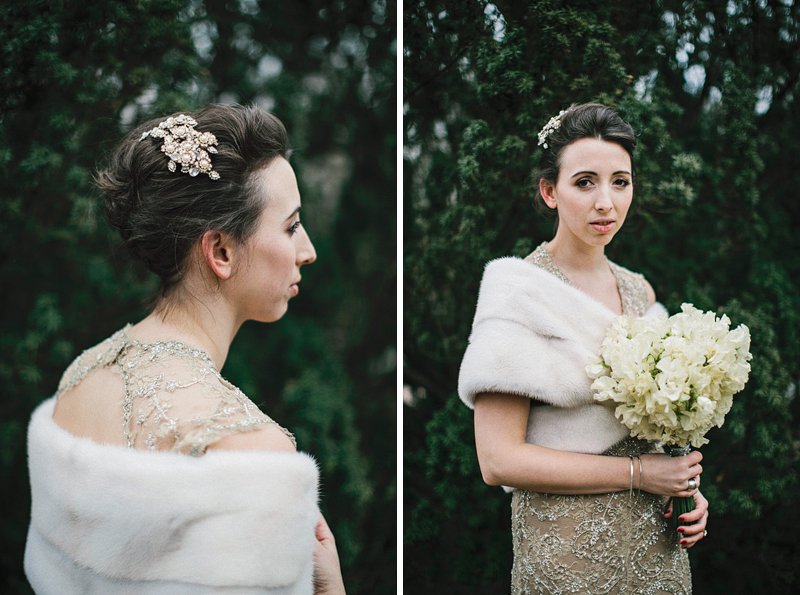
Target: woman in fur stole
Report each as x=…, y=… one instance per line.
x=151, y=473
x=588, y=503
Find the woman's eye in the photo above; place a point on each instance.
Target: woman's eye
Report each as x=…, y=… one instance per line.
x=293, y=228
x=583, y=183
x=622, y=182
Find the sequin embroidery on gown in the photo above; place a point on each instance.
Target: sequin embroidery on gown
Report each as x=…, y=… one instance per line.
x=598, y=543
x=174, y=397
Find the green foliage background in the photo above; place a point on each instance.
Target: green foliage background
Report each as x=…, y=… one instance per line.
x=74, y=76
x=711, y=87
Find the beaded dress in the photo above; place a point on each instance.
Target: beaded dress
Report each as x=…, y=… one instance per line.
x=598, y=543
x=173, y=397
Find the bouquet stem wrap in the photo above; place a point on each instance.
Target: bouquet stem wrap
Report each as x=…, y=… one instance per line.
x=680, y=505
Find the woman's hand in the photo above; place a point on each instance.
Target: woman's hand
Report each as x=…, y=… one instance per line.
x=669, y=476
x=692, y=533
x=327, y=572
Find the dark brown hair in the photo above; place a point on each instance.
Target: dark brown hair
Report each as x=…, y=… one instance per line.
x=160, y=214
x=587, y=120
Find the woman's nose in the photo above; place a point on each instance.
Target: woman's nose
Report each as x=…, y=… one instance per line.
x=603, y=200
x=306, y=254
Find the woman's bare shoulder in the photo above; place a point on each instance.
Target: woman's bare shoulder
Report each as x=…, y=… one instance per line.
x=269, y=437
x=92, y=409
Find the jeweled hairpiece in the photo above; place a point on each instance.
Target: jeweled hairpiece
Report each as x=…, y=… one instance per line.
x=185, y=146
x=552, y=125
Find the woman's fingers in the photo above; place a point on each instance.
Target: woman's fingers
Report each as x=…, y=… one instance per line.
x=692, y=533
x=677, y=477
x=694, y=457
x=689, y=475
x=668, y=509
x=692, y=516
x=323, y=531
x=691, y=488
x=690, y=485
x=700, y=507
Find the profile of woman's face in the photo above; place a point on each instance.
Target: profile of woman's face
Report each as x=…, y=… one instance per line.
x=593, y=191
x=270, y=274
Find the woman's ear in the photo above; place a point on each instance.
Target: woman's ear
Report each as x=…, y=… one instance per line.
x=547, y=190
x=218, y=250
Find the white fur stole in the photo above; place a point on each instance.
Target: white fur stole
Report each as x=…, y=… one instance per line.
x=108, y=519
x=533, y=335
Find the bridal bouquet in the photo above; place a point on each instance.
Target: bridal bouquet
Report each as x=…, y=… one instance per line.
x=673, y=379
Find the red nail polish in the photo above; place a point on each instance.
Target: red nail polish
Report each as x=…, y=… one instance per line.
x=683, y=541
x=681, y=529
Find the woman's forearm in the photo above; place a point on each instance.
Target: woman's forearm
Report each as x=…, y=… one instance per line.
x=541, y=469
x=507, y=459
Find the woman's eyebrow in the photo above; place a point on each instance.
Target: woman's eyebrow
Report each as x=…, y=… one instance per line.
x=297, y=210
x=592, y=173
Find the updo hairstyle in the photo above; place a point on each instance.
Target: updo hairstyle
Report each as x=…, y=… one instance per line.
x=586, y=120
x=161, y=214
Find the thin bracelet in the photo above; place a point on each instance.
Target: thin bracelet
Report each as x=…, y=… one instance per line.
x=641, y=473
x=630, y=490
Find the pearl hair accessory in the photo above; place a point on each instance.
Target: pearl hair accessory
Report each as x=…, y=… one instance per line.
x=553, y=124
x=185, y=146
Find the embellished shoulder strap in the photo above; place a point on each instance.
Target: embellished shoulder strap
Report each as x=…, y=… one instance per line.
x=102, y=354
x=542, y=259
x=632, y=290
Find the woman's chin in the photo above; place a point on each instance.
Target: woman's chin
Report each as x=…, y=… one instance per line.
x=600, y=240
x=273, y=315
x=278, y=313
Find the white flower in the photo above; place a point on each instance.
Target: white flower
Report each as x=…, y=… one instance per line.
x=672, y=379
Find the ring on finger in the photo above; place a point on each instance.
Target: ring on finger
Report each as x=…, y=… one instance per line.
x=705, y=532
x=692, y=484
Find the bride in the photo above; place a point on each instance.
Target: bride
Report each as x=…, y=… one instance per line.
x=588, y=502
x=150, y=472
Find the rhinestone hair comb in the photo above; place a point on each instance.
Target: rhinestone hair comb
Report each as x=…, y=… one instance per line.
x=185, y=146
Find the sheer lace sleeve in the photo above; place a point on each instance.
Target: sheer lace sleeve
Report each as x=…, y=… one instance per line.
x=175, y=399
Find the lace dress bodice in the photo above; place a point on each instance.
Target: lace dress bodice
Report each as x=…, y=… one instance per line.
x=173, y=397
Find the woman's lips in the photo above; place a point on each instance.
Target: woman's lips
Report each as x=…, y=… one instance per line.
x=603, y=225
x=294, y=288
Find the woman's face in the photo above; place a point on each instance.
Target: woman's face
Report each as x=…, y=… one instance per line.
x=593, y=191
x=270, y=274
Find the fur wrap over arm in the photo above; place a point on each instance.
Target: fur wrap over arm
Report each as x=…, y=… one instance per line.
x=533, y=335
x=112, y=520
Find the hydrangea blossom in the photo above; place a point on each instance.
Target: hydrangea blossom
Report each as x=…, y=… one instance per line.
x=673, y=379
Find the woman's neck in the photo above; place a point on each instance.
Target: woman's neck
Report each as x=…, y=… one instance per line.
x=210, y=327
x=577, y=256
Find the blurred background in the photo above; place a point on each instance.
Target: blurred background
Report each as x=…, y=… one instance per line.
x=712, y=89
x=74, y=77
